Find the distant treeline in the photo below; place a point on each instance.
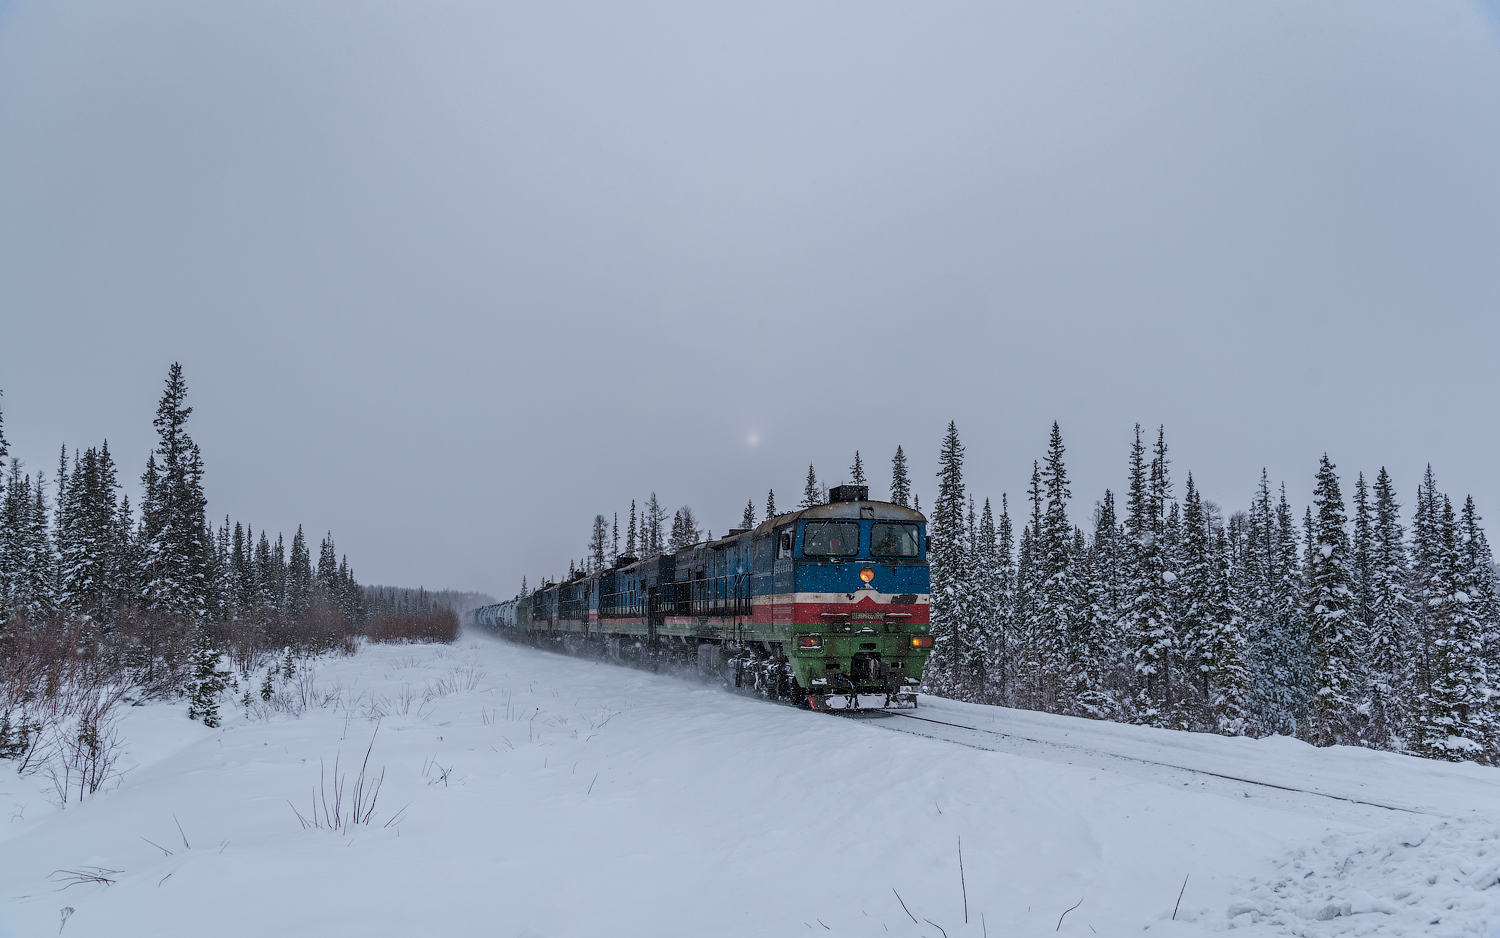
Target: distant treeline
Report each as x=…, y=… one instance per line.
x=403, y=600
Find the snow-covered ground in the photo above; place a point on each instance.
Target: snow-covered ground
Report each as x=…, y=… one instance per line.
x=526, y=793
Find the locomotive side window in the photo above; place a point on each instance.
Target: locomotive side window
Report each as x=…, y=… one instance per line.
x=784, y=544
x=893, y=539
x=830, y=539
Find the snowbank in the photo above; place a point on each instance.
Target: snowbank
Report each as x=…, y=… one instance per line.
x=1411, y=879
x=526, y=793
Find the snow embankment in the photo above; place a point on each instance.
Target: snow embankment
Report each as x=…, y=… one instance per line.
x=525, y=793
x=1415, y=878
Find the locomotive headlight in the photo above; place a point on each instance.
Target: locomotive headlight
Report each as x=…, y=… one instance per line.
x=809, y=641
x=867, y=574
x=921, y=641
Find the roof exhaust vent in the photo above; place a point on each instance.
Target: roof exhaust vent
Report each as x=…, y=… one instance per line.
x=849, y=493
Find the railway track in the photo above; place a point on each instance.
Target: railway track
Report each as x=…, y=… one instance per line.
x=990, y=740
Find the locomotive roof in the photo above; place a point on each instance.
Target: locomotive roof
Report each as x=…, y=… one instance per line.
x=884, y=511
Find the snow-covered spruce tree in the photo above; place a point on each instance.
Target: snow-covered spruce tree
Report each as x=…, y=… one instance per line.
x=278, y=575
x=1005, y=588
x=1148, y=624
x=351, y=597
x=59, y=522
x=614, y=540
x=857, y=471
x=1334, y=635
x=206, y=679
x=242, y=568
x=127, y=566
x=1030, y=643
x=1092, y=623
x=1292, y=625
x=900, y=481
x=328, y=567
x=1057, y=589
x=9, y=535
x=653, y=523
x=631, y=549
x=299, y=578
x=87, y=533
x=1361, y=555
x=220, y=579
x=747, y=520
x=173, y=514
x=1391, y=675
x=948, y=564
x=770, y=504
x=965, y=664
x=1480, y=562
x=6, y=532
x=598, y=542
x=1097, y=621
x=1108, y=549
x=265, y=576
x=1253, y=590
x=1198, y=575
x=30, y=564
x=685, y=530
x=1425, y=548
x=1226, y=649
x=812, y=493
x=1273, y=587
x=987, y=590
x=1455, y=718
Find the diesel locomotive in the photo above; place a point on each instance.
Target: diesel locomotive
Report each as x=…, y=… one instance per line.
x=825, y=607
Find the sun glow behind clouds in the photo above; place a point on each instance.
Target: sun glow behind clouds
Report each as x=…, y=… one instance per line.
x=752, y=438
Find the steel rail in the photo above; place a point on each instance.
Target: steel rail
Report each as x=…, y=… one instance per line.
x=1166, y=765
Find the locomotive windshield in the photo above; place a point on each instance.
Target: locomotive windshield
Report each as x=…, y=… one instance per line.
x=831, y=539
x=893, y=539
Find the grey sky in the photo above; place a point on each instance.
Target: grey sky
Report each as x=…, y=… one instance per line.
x=450, y=278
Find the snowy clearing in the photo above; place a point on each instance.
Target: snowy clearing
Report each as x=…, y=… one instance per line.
x=527, y=793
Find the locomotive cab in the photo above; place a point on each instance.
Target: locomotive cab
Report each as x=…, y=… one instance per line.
x=859, y=600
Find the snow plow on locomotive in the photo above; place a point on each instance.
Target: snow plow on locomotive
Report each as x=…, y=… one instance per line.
x=825, y=607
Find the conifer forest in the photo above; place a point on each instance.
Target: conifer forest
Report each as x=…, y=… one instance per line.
x=103, y=601
x=1355, y=623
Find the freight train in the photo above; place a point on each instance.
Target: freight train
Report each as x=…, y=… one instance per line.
x=825, y=607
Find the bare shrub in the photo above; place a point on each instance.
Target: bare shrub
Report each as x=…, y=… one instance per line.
x=437, y=626
x=338, y=804
x=81, y=746
x=60, y=682
x=87, y=874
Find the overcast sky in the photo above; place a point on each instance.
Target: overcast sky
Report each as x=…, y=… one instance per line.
x=450, y=278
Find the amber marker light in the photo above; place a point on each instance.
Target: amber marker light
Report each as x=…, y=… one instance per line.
x=809, y=641
x=921, y=641
x=867, y=574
